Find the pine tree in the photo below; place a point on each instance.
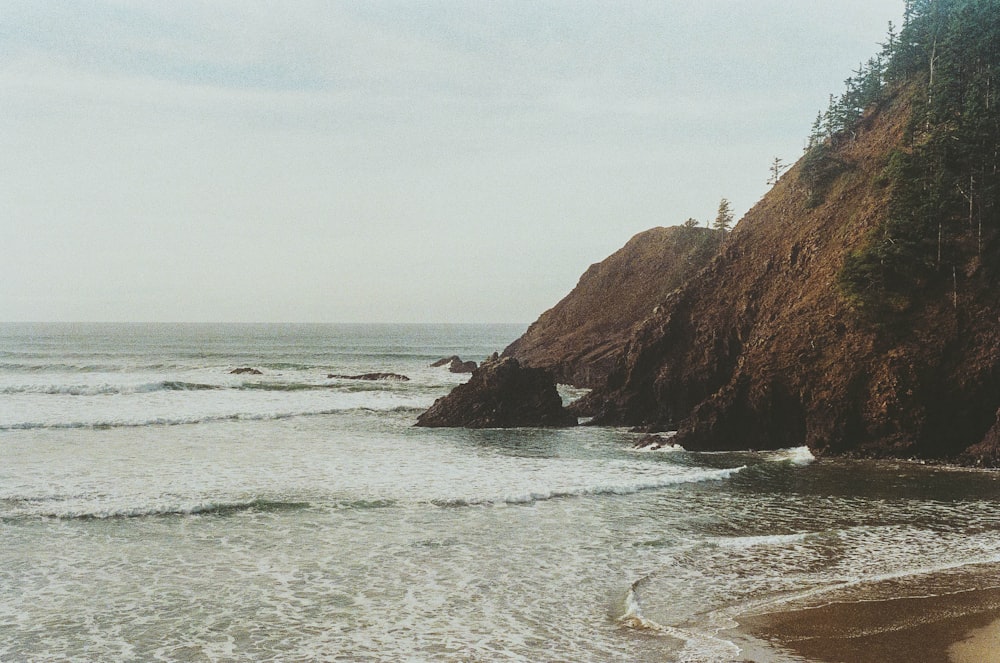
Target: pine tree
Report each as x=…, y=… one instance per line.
x=724, y=218
x=777, y=168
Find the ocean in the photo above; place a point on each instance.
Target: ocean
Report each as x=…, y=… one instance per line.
x=155, y=506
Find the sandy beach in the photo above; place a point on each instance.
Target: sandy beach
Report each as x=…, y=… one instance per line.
x=980, y=646
x=958, y=628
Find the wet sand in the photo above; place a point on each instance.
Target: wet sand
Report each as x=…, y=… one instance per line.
x=956, y=628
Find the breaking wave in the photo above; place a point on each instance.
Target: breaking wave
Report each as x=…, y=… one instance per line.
x=164, y=510
x=107, y=389
x=180, y=385
x=618, y=488
x=185, y=421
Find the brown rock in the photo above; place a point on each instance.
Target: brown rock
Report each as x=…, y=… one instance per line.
x=500, y=394
x=459, y=366
x=580, y=338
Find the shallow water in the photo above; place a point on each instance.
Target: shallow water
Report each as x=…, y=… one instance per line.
x=154, y=506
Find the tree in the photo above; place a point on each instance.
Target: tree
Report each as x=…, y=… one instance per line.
x=724, y=218
x=691, y=223
x=777, y=168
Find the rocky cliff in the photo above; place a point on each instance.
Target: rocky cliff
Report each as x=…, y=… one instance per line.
x=763, y=349
x=855, y=309
x=579, y=338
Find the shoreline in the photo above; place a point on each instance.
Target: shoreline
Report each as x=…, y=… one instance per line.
x=963, y=627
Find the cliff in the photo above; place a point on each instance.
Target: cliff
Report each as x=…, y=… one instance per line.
x=855, y=309
x=763, y=349
x=579, y=339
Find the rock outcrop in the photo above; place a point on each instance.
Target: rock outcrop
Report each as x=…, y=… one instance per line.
x=459, y=366
x=455, y=364
x=580, y=338
x=245, y=371
x=501, y=394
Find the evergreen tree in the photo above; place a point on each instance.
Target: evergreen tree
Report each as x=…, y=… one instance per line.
x=724, y=218
x=777, y=168
x=944, y=185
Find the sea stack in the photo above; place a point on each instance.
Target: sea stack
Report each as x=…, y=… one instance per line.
x=501, y=394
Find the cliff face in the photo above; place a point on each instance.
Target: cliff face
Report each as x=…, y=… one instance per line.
x=762, y=350
x=856, y=307
x=580, y=338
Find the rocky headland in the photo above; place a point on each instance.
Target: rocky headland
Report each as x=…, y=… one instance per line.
x=855, y=309
x=763, y=349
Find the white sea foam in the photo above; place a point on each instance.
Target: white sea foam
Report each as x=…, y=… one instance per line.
x=699, y=645
x=795, y=456
x=768, y=540
x=632, y=615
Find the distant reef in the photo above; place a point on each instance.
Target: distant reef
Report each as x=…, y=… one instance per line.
x=855, y=309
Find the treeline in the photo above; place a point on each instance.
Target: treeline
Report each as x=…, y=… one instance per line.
x=943, y=183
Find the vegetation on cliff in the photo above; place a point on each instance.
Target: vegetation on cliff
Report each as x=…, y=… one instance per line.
x=941, y=181
x=855, y=308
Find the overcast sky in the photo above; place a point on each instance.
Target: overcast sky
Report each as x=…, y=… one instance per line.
x=407, y=161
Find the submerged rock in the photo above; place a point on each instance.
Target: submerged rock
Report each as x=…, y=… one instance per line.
x=653, y=442
x=395, y=377
x=245, y=371
x=501, y=394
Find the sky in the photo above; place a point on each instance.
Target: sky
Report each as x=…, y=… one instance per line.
x=396, y=161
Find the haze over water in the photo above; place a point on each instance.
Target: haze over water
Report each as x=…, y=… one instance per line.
x=154, y=506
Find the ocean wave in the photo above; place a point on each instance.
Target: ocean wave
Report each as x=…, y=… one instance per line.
x=186, y=421
x=180, y=385
x=626, y=488
x=107, y=389
x=199, y=508
x=62, y=367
